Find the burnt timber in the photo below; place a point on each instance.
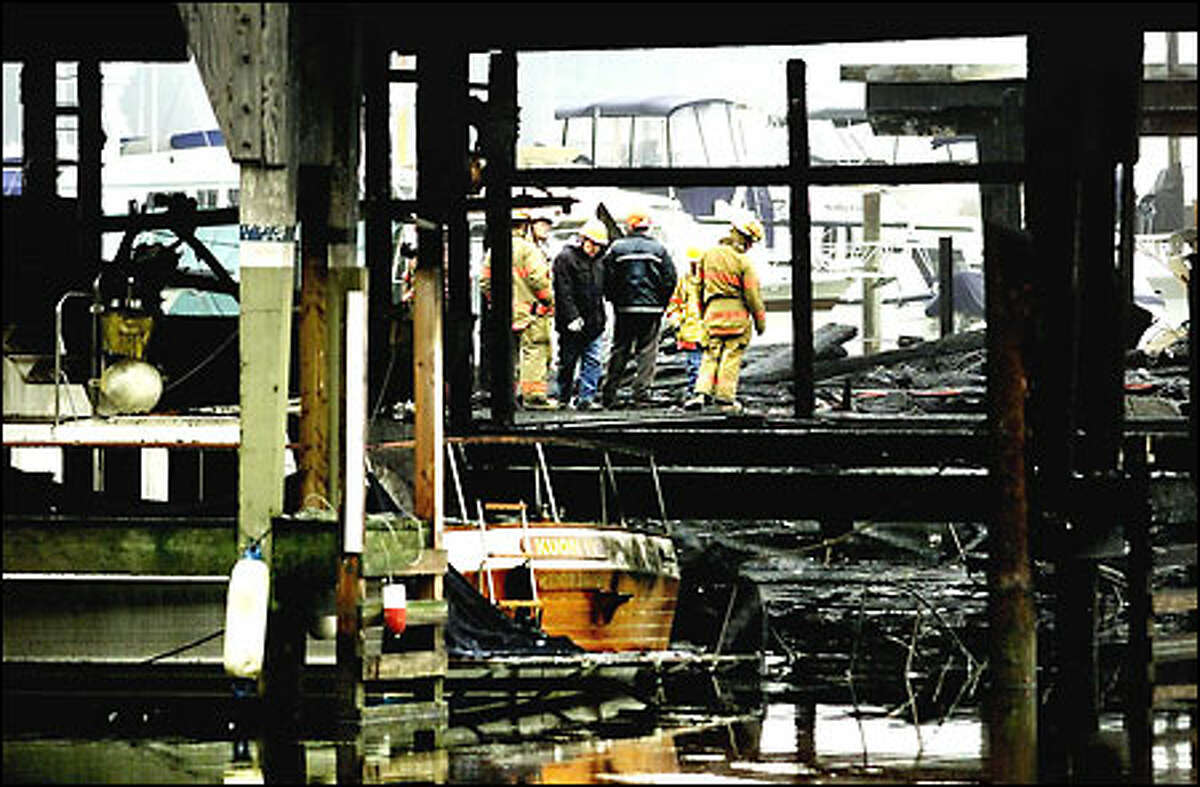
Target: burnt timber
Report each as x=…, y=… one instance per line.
x=1081, y=118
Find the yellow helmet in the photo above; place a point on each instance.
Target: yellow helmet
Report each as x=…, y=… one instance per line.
x=521, y=216
x=595, y=231
x=693, y=253
x=750, y=227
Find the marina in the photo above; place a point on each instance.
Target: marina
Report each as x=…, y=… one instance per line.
x=288, y=496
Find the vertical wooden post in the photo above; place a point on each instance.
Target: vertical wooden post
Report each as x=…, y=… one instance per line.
x=314, y=455
x=264, y=338
x=439, y=150
x=90, y=145
x=377, y=172
x=452, y=151
x=946, y=285
x=870, y=302
x=38, y=132
x=801, y=233
x=1106, y=138
x=1011, y=704
x=1140, y=659
x=500, y=151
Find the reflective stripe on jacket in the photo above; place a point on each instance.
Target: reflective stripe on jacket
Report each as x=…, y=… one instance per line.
x=729, y=292
x=531, y=292
x=639, y=275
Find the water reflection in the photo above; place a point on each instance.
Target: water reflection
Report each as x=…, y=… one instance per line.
x=780, y=743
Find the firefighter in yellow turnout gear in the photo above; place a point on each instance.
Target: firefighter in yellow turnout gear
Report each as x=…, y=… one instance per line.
x=532, y=313
x=731, y=305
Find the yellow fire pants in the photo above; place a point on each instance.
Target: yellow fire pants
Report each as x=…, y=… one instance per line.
x=722, y=365
x=533, y=367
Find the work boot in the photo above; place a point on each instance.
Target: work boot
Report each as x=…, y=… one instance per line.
x=697, y=402
x=731, y=407
x=589, y=405
x=541, y=403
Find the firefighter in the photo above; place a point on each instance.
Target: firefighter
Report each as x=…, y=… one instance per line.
x=639, y=278
x=730, y=304
x=532, y=311
x=683, y=314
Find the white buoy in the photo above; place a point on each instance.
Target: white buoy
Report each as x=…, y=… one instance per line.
x=246, y=617
x=395, y=607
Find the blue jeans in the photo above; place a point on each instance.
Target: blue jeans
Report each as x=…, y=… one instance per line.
x=691, y=363
x=574, y=350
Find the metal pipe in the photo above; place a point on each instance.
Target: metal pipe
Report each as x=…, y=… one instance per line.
x=545, y=469
x=58, y=345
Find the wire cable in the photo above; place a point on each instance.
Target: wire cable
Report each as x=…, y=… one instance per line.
x=188, y=646
x=220, y=348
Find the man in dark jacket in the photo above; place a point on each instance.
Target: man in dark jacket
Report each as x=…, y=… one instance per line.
x=579, y=315
x=639, y=278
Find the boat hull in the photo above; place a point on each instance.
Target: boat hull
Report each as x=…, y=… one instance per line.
x=608, y=589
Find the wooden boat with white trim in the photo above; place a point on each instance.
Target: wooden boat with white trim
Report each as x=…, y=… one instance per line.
x=607, y=586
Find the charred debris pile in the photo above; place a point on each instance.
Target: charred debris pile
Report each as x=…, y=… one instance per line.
x=882, y=613
x=947, y=375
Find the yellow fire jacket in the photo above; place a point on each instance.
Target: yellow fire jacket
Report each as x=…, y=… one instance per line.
x=532, y=295
x=729, y=295
x=683, y=311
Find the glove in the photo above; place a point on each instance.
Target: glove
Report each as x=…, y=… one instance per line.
x=575, y=325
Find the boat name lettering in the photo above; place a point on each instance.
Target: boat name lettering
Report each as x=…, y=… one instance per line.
x=564, y=546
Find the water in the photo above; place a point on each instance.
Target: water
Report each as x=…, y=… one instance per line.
x=777, y=743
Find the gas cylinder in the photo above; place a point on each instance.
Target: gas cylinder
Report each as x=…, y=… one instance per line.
x=246, y=615
x=395, y=607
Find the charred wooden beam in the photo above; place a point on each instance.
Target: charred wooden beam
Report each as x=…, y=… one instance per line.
x=1012, y=700
x=799, y=218
x=498, y=141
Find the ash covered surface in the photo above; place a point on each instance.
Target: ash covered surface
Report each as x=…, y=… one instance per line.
x=943, y=376
x=881, y=612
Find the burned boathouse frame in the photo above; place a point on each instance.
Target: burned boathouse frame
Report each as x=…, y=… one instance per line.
x=1087, y=467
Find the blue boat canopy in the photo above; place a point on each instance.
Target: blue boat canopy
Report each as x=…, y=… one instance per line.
x=647, y=106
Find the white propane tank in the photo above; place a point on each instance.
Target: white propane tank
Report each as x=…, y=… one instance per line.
x=246, y=616
x=129, y=386
x=395, y=607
